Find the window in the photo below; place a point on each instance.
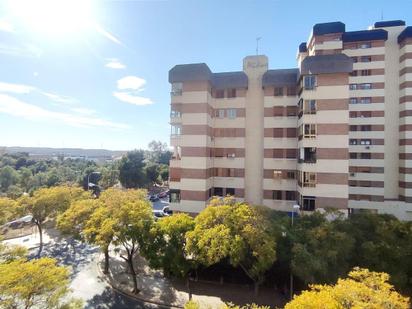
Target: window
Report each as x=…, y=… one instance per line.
x=277, y=174
x=175, y=114
x=231, y=172
x=277, y=195
x=230, y=191
x=353, y=155
x=220, y=113
x=291, y=153
x=365, y=155
x=365, y=86
x=353, y=128
x=353, y=142
x=353, y=73
x=353, y=100
x=365, y=59
x=353, y=86
x=278, y=91
x=218, y=191
x=174, y=196
x=355, y=59
x=290, y=195
x=291, y=91
x=290, y=175
x=365, y=100
x=365, y=114
x=220, y=94
x=308, y=154
x=177, y=89
x=309, y=179
x=231, y=93
x=231, y=113
x=365, y=141
x=309, y=107
x=309, y=131
x=308, y=203
x=366, y=72
x=176, y=129
x=365, y=128
x=365, y=45
x=309, y=82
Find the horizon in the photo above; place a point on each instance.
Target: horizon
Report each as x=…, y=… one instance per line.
x=94, y=74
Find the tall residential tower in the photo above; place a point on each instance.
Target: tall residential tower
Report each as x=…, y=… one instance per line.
x=336, y=132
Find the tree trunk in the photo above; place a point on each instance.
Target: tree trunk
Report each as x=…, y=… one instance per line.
x=133, y=272
x=189, y=290
x=256, y=286
x=106, y=261
x=39, y=227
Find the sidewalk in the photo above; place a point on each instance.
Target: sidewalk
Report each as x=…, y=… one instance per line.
x=155, y=288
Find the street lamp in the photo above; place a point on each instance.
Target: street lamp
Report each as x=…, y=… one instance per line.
x=88, y=178
x=295, y=207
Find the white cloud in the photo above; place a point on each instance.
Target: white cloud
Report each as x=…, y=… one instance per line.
x=15, y=88
x=15, y=107
x=6, y=26
x=58, y=98
x=114, y=63
x=131, y=82
x=131, y=98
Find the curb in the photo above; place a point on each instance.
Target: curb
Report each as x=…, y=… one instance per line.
x=109, y=280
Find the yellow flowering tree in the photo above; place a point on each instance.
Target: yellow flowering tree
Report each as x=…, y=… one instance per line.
x=362, y=289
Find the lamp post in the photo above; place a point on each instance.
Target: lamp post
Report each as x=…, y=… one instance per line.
x=295, y=207
x=88, y=178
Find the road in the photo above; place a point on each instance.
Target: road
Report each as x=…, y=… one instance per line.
x=86, y=282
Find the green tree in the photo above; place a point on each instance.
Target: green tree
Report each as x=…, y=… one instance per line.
x=237, y=231
x=133, y=221
x=49, y=202
x=109, y=176
x=131, y=169
x=38, y=283
x=321, y=250
x=8, y=177
x=158, y=153
x=25, y=178
x=362, y=289
x=166, y=249
x=9, y=210
x=152, y=172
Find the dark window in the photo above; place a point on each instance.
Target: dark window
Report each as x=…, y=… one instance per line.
x=309, y=155
x=365, y=155
x=366, y=127
x=290, y=132
x=230, y=191
x=290, y=196
x=220, y=94
x=218, y=191
x=277, y=195
x=353, y=100
x=353, y=142
x=278, y=91
x=291, y=175
x=291, y=153
x=365, y=100
x=353, y=73
x=353, y=86
x=353, y=128
x=365, y=59
x=291, y=91
x=365, y=45
x=353, y=155
x=231, y=93
x=365, y=86
x=355, y=59
x=308, y=203
x=174, y=196
x=366, y=72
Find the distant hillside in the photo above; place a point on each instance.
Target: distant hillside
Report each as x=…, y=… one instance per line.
x=66, y=152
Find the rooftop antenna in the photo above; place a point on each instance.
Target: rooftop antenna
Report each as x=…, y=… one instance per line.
x=257, y=45
x=382, y=15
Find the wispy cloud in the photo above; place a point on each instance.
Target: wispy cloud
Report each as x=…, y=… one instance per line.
x=114, y=63
x=131, y=85
x=25, y=89
x=131, y=98
x=107, y=34
x=15, y=107
x=6, y=26
x=83, y=110
x=15, y=88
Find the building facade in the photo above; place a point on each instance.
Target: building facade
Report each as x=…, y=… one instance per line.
x=335, y=132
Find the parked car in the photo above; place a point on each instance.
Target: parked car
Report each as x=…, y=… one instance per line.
x=167, y=210
x=154, y=198
x=159, y=213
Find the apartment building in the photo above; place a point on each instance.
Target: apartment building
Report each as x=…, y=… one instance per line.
x=335, y=132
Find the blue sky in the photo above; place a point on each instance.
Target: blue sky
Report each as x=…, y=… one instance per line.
x=94, y=74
